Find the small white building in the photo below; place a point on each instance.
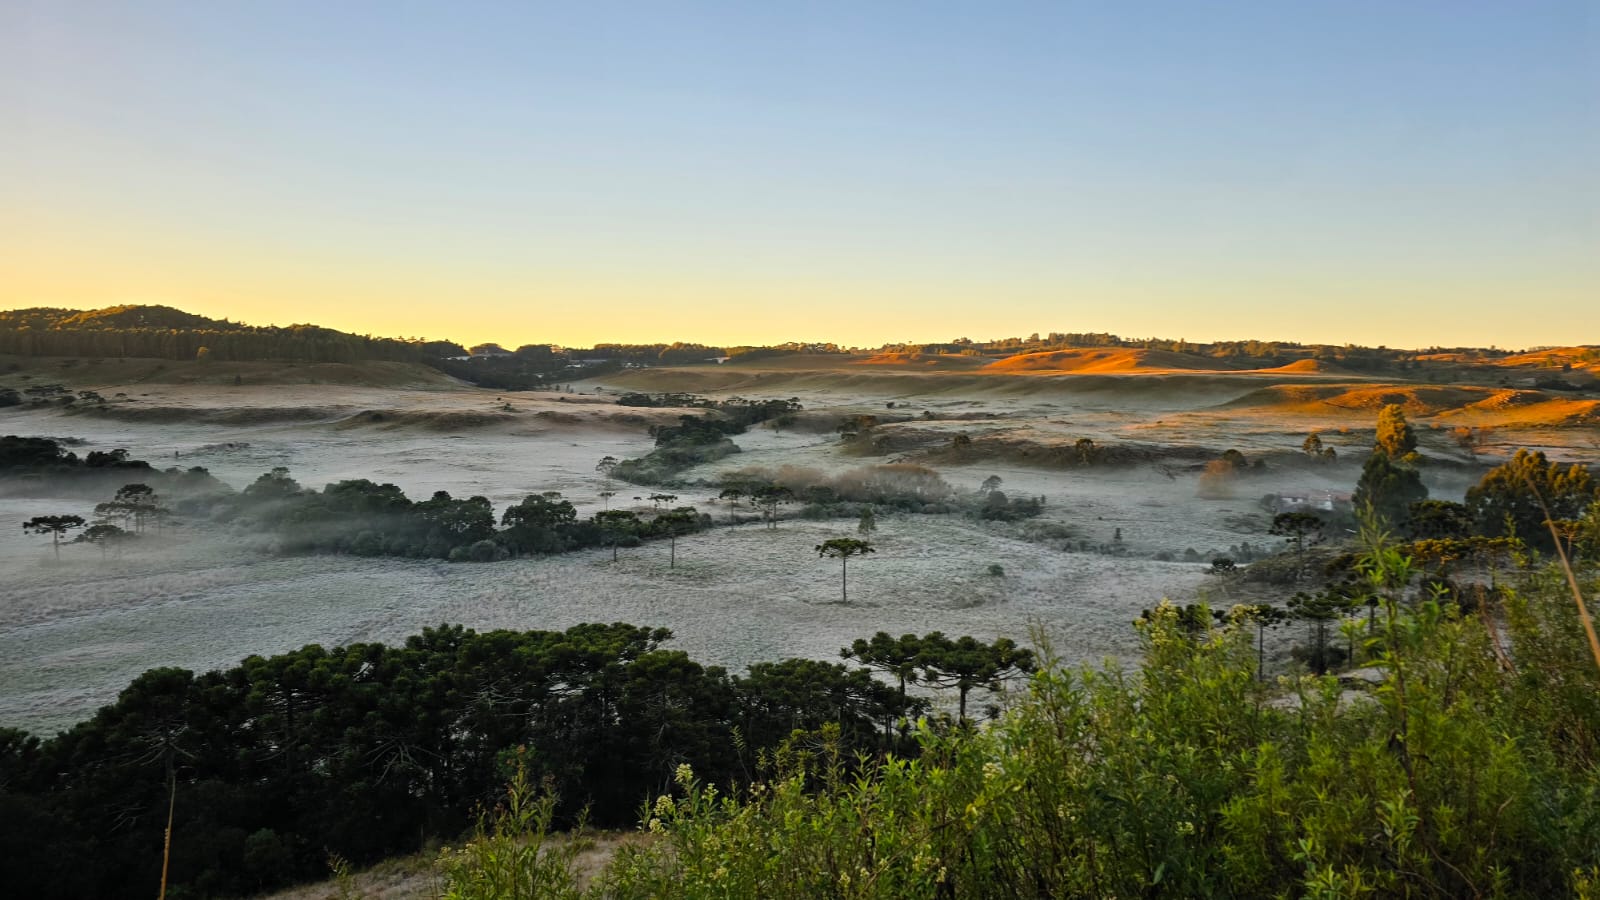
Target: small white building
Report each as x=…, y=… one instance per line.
x=1314, y=501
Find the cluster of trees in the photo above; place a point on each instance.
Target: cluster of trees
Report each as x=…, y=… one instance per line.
x=536, y=366
x=696, y=439
x=47, y=394
x=858, y=493
x=905, y=487
x=961, y=664
x=676, y=353
x=1526, y=506
x=161, y=332
x=1527, y=497
x=368, y=750
x=44, y=456
x=788, y=348
x=1315, y=450
x=355, y=516
x=994, y=505
x=529, y=367
x=363, y=518
x=36, y=458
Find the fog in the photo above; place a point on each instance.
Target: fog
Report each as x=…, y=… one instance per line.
x=205, y=594
x=202, y=595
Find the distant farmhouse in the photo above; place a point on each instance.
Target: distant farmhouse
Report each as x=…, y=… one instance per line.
x=1314, y=501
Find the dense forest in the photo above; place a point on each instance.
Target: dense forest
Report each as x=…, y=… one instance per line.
x=370, y=750
x=160, y=332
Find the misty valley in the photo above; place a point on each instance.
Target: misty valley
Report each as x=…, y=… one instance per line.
x=337, y=607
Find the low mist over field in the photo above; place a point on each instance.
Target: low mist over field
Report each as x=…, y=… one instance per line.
x=1105, y=450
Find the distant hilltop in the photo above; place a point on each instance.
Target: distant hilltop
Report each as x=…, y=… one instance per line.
x=162, y=332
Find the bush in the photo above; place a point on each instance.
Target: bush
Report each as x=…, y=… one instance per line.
x=485, y=551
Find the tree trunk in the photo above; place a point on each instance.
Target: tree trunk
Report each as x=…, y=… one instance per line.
x=844, y=587
x=166, y=842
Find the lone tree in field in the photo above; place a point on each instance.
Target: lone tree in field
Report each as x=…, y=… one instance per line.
x=842, y=549
x=683, y=520
x=55, y=526
x=1395, y=436
x=1297, y=528
x=1388, y=488
x=607, y=467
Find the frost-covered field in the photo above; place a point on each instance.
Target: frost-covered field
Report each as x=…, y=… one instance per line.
x=72, y=634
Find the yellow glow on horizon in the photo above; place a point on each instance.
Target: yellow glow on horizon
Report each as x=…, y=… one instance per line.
x=113, y=263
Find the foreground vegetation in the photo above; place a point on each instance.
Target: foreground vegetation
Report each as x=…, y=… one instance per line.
x=369, y=750
x=1473, y=769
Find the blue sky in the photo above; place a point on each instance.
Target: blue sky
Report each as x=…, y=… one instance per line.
x=1398, y=173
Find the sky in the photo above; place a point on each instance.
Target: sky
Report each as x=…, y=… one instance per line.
x=1407, y=174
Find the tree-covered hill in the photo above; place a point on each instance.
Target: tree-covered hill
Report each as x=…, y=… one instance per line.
x=161, y=332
